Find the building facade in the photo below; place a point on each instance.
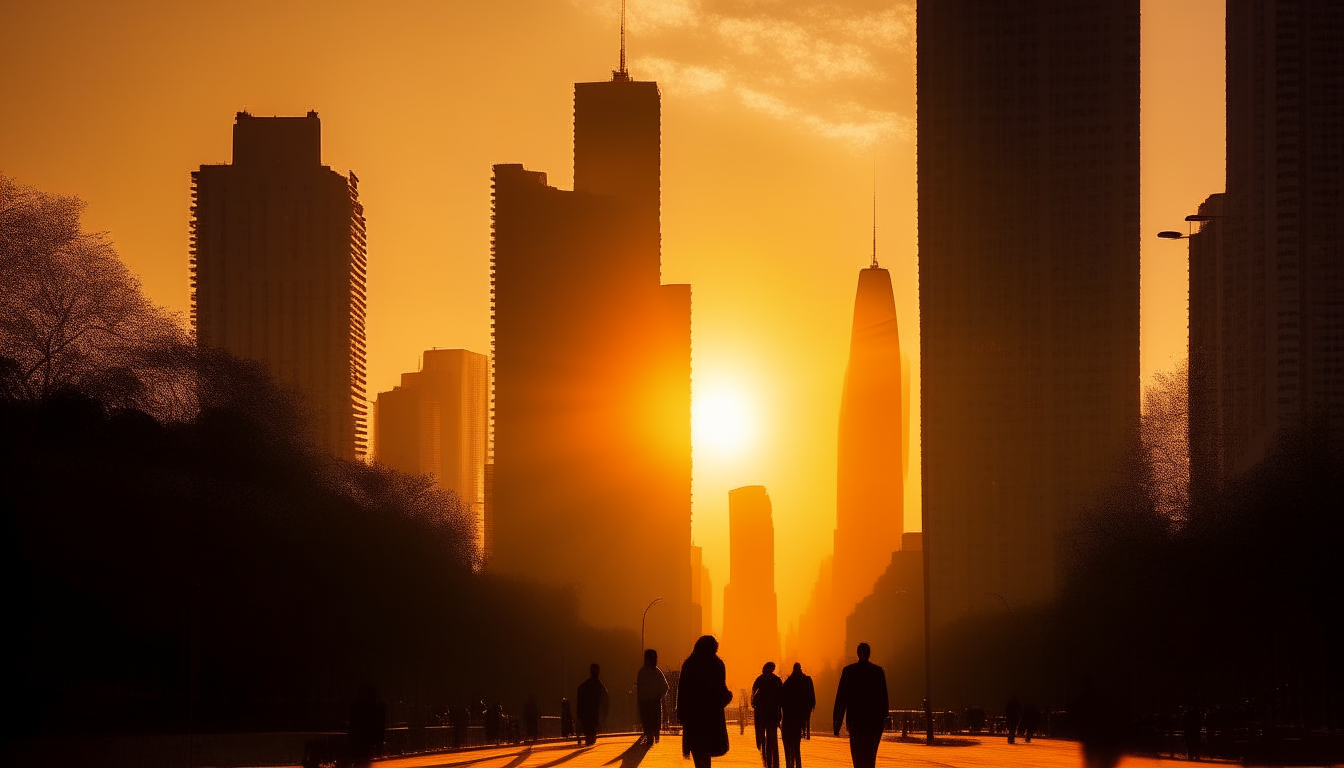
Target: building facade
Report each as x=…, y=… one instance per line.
x=435, y=423
x=591, y=443
x=1028, y=162
x=278, y=270
x=1267, y=273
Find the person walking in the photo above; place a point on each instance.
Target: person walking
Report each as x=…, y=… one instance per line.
x=593, y=705
x=1012, y=712
x=861, y=703
x=368, y=728
x=650, y=687
x=798, y=700
x=532, y=718
x=566, y=719
x=766, y=701
x=702, y=693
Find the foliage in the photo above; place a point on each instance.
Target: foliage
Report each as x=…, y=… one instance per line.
x=177, y=554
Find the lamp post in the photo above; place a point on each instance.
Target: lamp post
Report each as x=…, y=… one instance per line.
x=1171, y=234
x=644, y=618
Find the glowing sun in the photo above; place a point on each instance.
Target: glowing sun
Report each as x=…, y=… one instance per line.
x=723, y=422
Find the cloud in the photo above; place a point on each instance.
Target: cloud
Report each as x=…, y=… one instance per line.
x=843, y=71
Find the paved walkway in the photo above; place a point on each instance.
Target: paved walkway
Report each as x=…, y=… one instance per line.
x=820, y=752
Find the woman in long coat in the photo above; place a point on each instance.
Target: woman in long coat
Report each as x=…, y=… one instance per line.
x=702, y=693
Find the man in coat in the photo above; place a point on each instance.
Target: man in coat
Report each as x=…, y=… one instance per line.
x=767, y=695
x=799, y=699
x=861, y=703
x=593, y=704
x=650, y=687
x=702, y=693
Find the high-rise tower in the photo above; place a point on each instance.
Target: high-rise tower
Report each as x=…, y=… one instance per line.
x=277, y=269
x=750, y=607
x=592, y=375
x=1267, y=267
x=1028, y=122
x=435, y=423
x=871, y=494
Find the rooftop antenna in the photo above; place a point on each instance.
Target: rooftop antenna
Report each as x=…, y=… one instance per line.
x=874, y=266
x=622, y=74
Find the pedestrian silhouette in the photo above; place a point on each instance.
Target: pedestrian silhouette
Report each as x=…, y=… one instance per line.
x=1192, y=723
x=458, y=718
x=650, y=687
x=368, y=724
x=566, y=719
x=494, y=723
x=1012, y=715
x=593, y=704
x=702, y=693
x=767, y=695
x=798, y=700
x=532, y=718
x=861, y=704
x=1031, y=721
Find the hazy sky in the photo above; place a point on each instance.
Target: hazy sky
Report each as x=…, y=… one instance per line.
x=777, y=116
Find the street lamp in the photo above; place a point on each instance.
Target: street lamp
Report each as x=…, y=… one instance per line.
x=1171, y=234
x=644, y=618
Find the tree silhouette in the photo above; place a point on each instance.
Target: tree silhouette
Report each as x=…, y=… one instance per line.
x=72, y=315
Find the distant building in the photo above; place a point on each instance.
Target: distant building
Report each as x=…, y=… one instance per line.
x=702, y=595
x=1267, y=275
x=870, y=503
x=435, y=423
x=592, y=376
x=891, y=620
x=750, y=607
x=1028, y=122
x=277, y=269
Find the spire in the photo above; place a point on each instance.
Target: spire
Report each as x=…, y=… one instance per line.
x=874, y=266
x=622, y=75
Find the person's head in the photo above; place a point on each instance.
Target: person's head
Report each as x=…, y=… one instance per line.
x=768, y=667
x=864, y=651
x=797, y=668
x=593, y=670
x=650, y=658
x=707, y=645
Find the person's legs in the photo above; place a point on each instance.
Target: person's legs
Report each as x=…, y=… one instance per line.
x=863, y=749
x=701, y=759
x=771, y=747
x=793, y=737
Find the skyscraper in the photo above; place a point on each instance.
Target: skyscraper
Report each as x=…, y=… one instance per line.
x=277, y=269
x=1028, y=165
x=870, y=501
x=435, y=423
x=750, y=606
x=592, y=375
x=1267, y=272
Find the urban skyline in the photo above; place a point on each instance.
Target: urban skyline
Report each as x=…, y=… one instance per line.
x=802, y=225
x=1022, y=511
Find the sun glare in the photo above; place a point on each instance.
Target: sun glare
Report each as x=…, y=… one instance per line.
x=724, y=422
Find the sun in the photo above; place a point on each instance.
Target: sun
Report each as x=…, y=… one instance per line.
x=723, y=422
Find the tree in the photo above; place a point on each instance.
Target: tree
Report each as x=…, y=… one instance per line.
x=1165, y=435
x=73, y=317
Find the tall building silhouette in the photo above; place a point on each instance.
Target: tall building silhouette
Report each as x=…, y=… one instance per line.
x=435, y=423
x=591, y=483
x=1028, y=120
x=870, y=499
x=750, y=607
x=1267, y=276
x=277, y=269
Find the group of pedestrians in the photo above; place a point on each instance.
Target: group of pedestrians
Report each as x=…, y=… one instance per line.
x=782, y=707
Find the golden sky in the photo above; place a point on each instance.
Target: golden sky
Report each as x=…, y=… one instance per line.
x=777, y=116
